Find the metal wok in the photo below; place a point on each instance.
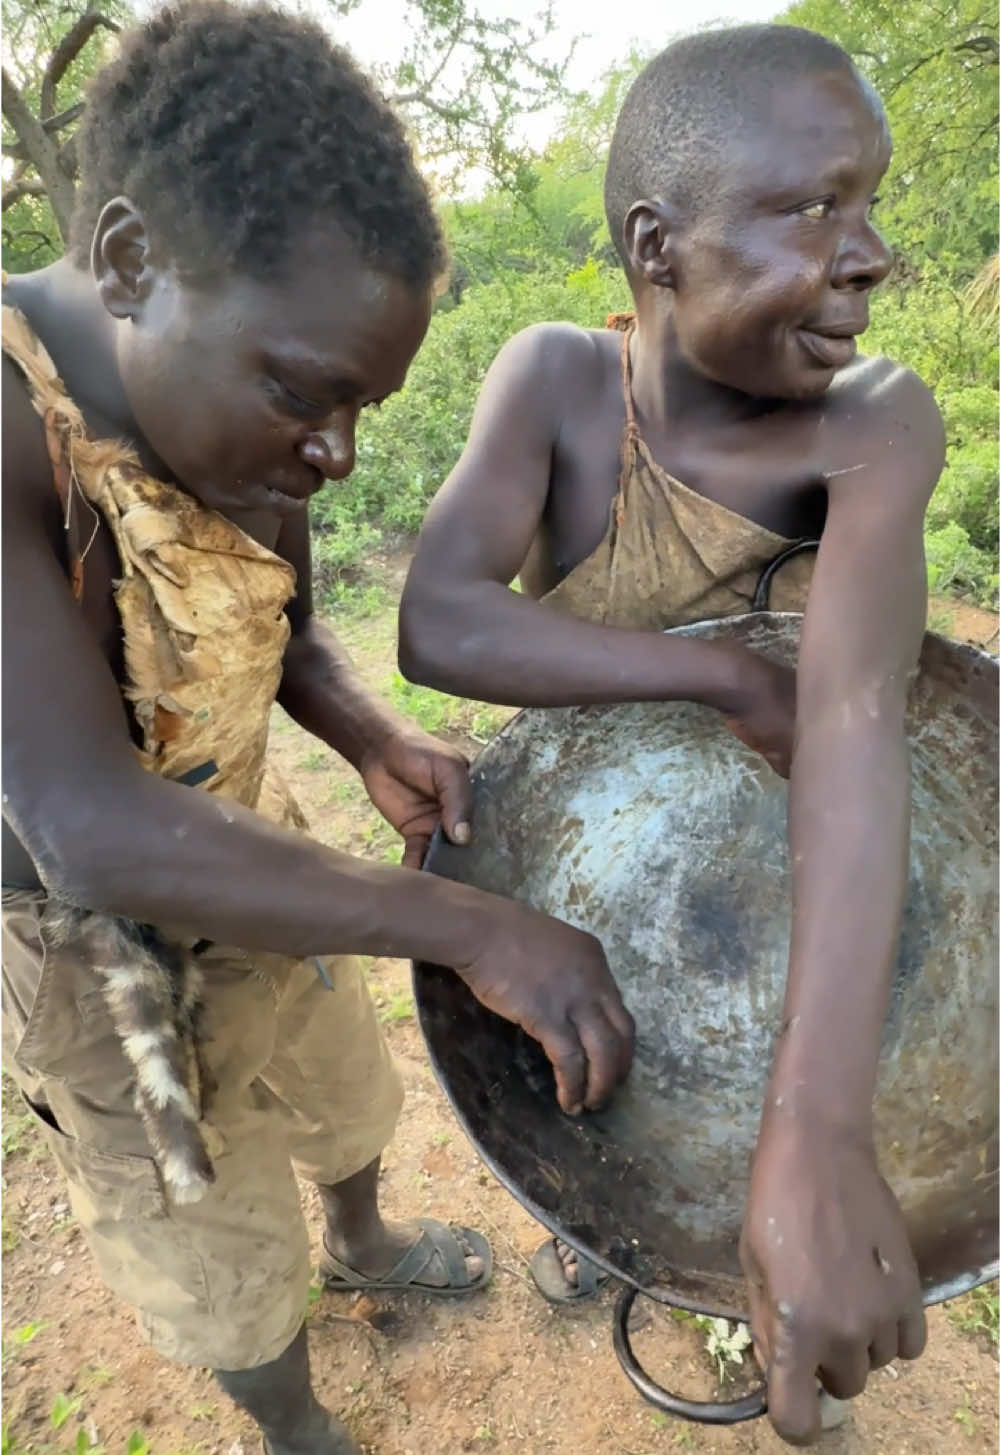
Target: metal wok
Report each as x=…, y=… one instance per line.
x=654, y=828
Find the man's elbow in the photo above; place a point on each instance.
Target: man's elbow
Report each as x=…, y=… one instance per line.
x=429, y=642
x=422, y=653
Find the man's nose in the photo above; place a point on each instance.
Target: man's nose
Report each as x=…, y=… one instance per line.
x=863, y=260
x=332, y=450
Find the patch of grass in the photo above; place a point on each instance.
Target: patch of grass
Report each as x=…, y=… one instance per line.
x=441, y=1139
x=313, y=1294
x=976, y=1313
x=84, y=1445
x=62, y=1408
x=397, y=1006
x=437, y=712
x=355, y=599
x=315, y=760
x=95, y=1376
x=344, y=794
x=204, y=1411
x=19, y=1339
x=431, y=710
x=10, y=1236
x=966, y=1420
x=18, y=1132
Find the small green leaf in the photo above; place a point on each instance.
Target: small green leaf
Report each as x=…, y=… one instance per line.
x=62, y=1408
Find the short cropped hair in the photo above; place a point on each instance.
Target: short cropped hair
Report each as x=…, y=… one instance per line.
x=690, y=101
x=233, y=127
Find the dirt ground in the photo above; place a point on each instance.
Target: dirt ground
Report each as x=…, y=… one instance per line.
x=502, y=1372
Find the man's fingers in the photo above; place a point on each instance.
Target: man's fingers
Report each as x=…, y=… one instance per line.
x=912, y=1335
x=569, y=1063
x=415, y=846
x=883, y=1349
x=455, y=794
x=625, y=1026
x=793, y=1407
x=758, y=1324
x=606, y=1062
x=845, y=1376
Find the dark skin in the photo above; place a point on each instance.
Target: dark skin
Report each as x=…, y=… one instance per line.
x=247, y=395
x=747, y=388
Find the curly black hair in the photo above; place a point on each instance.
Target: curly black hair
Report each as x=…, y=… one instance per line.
x=686, y=107
x=233, y=127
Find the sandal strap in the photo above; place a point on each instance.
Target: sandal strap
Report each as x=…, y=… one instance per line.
x=435, y=1238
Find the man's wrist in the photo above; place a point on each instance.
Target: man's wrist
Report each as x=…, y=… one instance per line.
x=804, y=1097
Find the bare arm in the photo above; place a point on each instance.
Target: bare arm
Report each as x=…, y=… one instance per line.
x=463, y=631
x=320, y=688
x=107, y=835
x=415, y=781
x=834, y=1285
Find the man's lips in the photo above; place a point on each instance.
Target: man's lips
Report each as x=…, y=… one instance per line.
x=833, y=348
x=295, y=491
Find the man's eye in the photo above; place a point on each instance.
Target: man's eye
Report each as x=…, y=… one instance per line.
x=299, y=404
x=818, y=210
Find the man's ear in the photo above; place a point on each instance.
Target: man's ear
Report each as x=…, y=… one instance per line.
x=120, y=259
x=650, y=234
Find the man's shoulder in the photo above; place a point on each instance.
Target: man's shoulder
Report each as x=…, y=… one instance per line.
x=883, y=415
x=876, y=389
x=560, y=356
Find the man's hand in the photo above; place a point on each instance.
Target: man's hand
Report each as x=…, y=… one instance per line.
x=766, y=717
x=416, y=782
x=833, y=1284
x=554, y=982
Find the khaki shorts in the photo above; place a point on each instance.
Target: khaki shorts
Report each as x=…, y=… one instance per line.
x=304, y=1081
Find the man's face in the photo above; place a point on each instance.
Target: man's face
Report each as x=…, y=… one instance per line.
x=250, y=391
x=773, y=278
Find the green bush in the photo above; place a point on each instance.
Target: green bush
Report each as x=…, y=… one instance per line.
x=407, y=448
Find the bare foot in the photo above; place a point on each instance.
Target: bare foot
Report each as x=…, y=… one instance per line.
x=568, y=1258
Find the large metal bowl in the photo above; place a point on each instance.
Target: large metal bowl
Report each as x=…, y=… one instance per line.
x=653, y=827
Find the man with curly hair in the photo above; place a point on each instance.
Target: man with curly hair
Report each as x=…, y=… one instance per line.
x=253, y=264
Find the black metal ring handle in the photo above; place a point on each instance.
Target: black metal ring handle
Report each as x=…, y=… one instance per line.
x=703, y=1412
x=764, y=587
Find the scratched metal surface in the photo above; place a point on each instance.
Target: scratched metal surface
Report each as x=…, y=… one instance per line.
x=651, y=826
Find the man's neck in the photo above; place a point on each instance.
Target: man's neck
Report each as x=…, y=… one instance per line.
x=62, y=305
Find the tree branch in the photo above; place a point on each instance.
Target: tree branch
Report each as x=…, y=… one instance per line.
x=66, y=53
x=41, y=150
x=51, y=127
x=32, y=187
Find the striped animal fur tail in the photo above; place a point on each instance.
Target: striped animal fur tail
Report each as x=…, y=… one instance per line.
x=153, y=991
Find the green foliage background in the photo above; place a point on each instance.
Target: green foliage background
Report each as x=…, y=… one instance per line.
x=539, y=250
x=517, y=262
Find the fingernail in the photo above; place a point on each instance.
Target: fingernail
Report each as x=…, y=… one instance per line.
x=461, y=834
x=575, y=1111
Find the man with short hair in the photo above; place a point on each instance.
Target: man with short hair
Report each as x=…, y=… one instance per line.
x=647, y=478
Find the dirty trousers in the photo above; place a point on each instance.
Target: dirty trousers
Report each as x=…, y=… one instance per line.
x=304, y=1081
